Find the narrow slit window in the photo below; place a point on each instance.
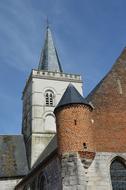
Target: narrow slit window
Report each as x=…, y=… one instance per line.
x=75, y=122
x=84, y=145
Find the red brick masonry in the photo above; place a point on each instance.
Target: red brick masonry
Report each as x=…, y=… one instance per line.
x=104, y=128
x=74, y=128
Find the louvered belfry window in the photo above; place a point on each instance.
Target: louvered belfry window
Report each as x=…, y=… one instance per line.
x=49, y=98
x=118, y=174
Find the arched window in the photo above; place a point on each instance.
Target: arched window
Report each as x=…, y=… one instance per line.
x=49, y=98
x=41, y=182
x=33, y=185
x=50, y=124
x=118, y=174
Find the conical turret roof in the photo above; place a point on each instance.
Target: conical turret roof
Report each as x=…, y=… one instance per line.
x=71, y=96
x=49, y=60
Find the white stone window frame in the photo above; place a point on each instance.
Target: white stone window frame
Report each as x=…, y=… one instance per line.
x=49, y=96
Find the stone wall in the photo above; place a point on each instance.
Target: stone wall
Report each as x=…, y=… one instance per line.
x=75, y=176
x=38, y=144
x=98, y=174
x=36, y=114
x=8, y=184
x=46, y=177
x=73, y=172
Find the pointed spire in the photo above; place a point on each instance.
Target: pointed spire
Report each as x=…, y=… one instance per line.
x=71, y=96
x=49, y=60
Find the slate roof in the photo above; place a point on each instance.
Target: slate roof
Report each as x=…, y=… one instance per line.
x=49, y=60
x=71, y=96
x=45, y=156
x=13, y=161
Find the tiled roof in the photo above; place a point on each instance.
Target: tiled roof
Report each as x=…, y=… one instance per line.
x=13, y=161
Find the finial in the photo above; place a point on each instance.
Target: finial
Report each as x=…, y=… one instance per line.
x=47, y=22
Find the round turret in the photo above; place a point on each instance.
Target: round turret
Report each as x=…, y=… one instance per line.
x=73, y=120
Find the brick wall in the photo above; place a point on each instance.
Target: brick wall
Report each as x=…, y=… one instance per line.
x=74, y=129
x=103, y=129
x=109, y=115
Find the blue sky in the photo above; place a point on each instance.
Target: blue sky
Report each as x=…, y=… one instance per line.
x=89, y=36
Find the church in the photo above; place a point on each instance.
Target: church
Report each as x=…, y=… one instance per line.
x=68, y=142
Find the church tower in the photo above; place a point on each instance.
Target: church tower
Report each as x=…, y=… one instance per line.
x=41, y=94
